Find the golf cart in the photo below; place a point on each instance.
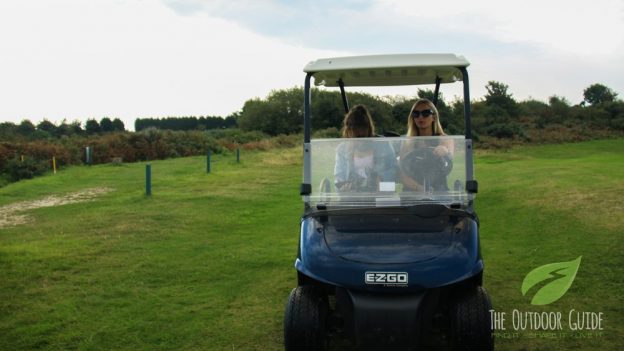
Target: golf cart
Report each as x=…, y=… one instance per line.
x=383, y=265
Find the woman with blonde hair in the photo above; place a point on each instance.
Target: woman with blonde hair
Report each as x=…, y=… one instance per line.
x=424, y=121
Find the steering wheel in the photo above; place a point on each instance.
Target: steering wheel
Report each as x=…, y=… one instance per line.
x=426, y=168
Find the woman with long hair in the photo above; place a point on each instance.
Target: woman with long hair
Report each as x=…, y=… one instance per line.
x=424, y=121
x=361, y=165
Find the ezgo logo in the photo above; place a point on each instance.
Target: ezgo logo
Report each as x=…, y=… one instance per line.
x=386, y=278
x=558, y=277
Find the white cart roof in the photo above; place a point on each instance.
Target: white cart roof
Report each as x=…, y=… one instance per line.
x=386, y=70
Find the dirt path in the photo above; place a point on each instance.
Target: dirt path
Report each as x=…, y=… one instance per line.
x=10, y=215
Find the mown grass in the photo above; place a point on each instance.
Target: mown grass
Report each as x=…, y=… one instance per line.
x=202, y=264
x=549, y=204
x=206, y=262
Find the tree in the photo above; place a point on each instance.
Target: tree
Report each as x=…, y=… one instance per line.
x=280, y=113
x=597, y=94
x=400, y=113
x=430, y=95
x=46, y=126
x=76, y=128
x=68, y=129
x=92, y=126
x=7, y=131
x=559, y=109
x=26, y=128
x=261, y=115
x=499, y=100
x=118, y=125
x=106, y=125
x=230, y=121
x=327, y=109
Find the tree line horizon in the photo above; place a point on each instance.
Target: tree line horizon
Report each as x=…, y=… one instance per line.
x=498, y=121
x=497, y=113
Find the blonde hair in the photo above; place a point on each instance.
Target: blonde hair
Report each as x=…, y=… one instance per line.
x=436, y=127
x=358, y=123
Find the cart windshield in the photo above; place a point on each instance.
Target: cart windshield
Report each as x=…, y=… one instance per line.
x=398, y=171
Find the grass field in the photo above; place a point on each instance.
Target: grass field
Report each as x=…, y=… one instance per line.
x=206, y=262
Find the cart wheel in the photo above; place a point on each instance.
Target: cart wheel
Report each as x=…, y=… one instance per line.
x=305, y=319
x=470, y=318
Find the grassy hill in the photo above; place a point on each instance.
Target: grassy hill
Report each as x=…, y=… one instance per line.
x=206, y=262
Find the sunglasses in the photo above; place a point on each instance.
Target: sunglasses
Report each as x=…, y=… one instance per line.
x=423, y=113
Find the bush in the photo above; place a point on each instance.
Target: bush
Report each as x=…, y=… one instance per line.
x=6, y=153
x=285, y=141
x=618, y=123
x=5, y=180
x=327, y=133
x=505, y=130
x=29, y=168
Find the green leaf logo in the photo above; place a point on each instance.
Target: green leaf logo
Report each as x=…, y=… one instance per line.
x=559, y=277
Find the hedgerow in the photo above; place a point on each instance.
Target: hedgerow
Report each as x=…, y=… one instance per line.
x=23, y=159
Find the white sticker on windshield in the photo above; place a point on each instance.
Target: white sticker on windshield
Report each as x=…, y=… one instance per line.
x=387, y=186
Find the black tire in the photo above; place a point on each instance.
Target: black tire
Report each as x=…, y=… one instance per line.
x=305, y=319
x=470, y=321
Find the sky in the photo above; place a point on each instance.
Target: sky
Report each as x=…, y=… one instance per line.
x=127, y=59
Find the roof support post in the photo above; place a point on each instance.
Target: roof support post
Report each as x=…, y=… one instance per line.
x=306, y=108
x=306, y=187
x=471, y=184
x=437, y=90
x=467, y=117
x=345, y=102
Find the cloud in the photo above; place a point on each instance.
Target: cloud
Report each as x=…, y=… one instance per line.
x=134, y=59
x=76, y=59
x=568, y=25
x=539, y=48
x=309, y=23
x=529, y=20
